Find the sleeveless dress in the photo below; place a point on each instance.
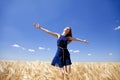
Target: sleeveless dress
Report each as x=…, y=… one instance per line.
x=62, y=57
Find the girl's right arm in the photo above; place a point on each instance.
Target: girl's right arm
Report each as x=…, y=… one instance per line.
x=47, y=31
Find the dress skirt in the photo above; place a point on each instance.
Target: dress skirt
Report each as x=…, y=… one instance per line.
x=62, y=58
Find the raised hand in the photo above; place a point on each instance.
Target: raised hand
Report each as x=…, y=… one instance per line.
x=37, y=26
x=85, y=41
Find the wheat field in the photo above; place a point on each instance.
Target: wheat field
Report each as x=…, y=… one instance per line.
x=36, y=70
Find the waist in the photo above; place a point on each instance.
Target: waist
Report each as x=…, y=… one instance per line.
x=61, y=47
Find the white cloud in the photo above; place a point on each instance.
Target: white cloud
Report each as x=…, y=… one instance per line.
x=110, y=54
x=74, y=51
x=89, y=54
x=117, y=28
x=71, y=50
x=41, y=48
x=16, y=45
x=31, y=50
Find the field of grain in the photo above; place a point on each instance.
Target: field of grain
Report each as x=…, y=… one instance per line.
x=36, y=70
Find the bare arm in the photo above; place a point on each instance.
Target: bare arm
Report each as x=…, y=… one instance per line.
x=78, y=39
x=45, y=30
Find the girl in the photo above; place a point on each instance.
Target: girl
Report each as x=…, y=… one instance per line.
x=62, y=57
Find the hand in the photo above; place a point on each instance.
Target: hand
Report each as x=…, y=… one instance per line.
x=85, y=41
x=37, y=26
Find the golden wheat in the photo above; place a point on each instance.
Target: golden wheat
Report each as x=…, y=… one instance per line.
x=36, y=70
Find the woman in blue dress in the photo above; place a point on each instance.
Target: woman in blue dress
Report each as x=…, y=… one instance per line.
x=62, y=56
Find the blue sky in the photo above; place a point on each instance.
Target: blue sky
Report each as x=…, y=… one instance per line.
x=97, y=21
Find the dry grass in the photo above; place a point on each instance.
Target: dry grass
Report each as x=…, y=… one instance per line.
x=23, y=70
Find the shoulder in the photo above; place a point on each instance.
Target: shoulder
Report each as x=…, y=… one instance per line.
x=70, y=38
x=58, y=35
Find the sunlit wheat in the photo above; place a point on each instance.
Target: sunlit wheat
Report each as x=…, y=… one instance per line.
x=36, y=70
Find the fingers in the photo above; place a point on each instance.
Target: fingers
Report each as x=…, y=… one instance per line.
x=36, y=25
x=85, y=41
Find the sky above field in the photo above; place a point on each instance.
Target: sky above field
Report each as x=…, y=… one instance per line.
x=97, y=21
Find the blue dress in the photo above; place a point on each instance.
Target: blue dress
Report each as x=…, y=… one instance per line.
x=62, y=57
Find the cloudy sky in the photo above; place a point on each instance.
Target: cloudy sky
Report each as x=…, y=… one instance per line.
x=97, y=21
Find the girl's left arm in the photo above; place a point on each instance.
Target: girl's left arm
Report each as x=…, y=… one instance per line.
x=78, y=39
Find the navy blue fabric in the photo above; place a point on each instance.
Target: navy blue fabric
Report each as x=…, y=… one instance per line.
x=62, y=56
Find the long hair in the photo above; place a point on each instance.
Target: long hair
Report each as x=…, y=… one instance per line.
x=69, y=35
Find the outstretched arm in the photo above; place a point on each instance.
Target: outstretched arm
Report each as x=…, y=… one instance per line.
x=78, y=39
x=45, y=30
